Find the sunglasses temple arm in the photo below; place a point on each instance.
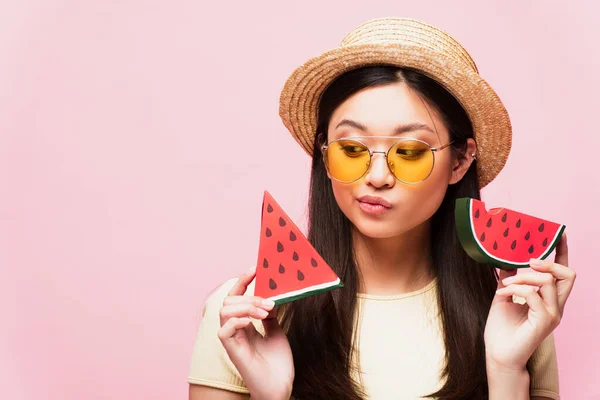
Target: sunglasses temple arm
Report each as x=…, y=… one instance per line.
x=442, y=147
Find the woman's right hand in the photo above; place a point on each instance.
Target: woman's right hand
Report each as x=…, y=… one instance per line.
x=265, y=363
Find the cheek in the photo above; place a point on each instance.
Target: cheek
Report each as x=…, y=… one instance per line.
x=427, y=196
x=443, y=166
x=343, y=193
x=431, y=194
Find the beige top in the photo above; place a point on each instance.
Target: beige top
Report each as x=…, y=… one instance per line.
x=402, y=355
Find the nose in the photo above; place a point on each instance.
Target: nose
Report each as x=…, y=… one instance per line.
x=379, y=174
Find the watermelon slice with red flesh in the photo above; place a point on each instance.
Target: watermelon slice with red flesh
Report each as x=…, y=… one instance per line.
x=505, y=238
x=288, y=266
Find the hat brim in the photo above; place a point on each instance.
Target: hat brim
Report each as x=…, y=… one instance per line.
x=491, y=124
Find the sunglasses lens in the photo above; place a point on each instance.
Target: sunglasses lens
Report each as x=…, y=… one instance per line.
x=347, y=160
x=411, y=161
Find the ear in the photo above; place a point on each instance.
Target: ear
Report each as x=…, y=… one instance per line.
x=461, y=162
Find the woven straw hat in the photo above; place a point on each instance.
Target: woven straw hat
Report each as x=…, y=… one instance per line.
x=411, y=44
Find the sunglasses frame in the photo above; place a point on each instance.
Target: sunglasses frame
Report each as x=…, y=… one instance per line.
x=385, y=153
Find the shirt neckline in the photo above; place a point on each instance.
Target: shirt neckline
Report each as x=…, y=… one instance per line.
x=388, y=297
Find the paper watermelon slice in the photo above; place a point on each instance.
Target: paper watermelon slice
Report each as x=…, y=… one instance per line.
x=288, y=267
x=502, y=237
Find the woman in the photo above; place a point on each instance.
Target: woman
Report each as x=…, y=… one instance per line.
x=400, y=125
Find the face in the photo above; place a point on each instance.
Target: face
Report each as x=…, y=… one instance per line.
x=381, y=111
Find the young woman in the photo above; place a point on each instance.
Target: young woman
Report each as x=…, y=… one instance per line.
x=399, y=124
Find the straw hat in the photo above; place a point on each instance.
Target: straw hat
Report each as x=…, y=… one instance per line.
x=411, y=44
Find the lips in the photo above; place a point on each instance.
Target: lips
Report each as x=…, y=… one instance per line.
x=376, y=201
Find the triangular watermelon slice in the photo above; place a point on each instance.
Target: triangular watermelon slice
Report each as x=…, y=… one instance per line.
x=288, y=267
x=505, y=238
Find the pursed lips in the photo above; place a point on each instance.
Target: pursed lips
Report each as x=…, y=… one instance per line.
x=375, y=200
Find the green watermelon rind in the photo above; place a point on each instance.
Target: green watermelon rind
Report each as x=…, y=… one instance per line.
x=470, y=241
x=306, y=292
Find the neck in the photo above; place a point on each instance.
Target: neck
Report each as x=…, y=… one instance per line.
x=400, y=264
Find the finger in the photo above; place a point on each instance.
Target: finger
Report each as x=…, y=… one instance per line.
x=240, y=286
x=565, y=278
x=560, y=272
x=256, y=301
x=562, y=251
x=503, y=274
x=546, y=283
x=240, y=311
x=534, y=301
x=231, y=327
x=251, y=332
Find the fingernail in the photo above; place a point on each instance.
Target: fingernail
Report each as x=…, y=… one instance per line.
x=536, y=261
x=509, y=280
x=262, y=313
x=268, y=303
x=251, y=270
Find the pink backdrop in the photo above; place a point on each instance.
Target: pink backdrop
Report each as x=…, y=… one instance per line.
x=137, y=137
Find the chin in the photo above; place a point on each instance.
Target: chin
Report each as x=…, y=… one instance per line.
x=379, y=229
x=377, y=233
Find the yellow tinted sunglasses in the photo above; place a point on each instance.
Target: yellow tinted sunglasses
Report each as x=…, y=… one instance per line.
x=409, y=160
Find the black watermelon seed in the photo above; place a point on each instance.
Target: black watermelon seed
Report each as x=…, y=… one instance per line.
x=279, y=247
x=292, y=236
x=482, y=238
x=265, y=263
x=505, y=233
x=530, y=249
x=281, y=222
x=513, y=244
x=518, y=223
x=477, y=214
x=269, y=208
x=268, y=232
x=489, y=223
x=300, y=275
x=504, y=218
x=281, y=269
x=295, y=256
x=541, y=227
x=545, y=242
x=495, y=246
x=527, y=236
x=313, y=262
x=272, y=284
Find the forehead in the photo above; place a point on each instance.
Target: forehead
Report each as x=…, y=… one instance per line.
x=382, y=108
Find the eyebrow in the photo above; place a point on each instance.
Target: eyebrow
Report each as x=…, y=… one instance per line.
x=397, y=131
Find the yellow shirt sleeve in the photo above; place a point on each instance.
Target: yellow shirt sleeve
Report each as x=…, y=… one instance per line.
x=210, y=364
x=544, y=370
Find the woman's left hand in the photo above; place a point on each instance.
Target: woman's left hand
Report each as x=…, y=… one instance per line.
x=513, y=331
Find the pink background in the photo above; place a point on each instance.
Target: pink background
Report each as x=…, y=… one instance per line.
x=137, y=137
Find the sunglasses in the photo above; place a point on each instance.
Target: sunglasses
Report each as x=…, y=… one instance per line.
x=409, y=160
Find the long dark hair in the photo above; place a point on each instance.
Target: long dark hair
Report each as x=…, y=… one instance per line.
x=320, y=328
